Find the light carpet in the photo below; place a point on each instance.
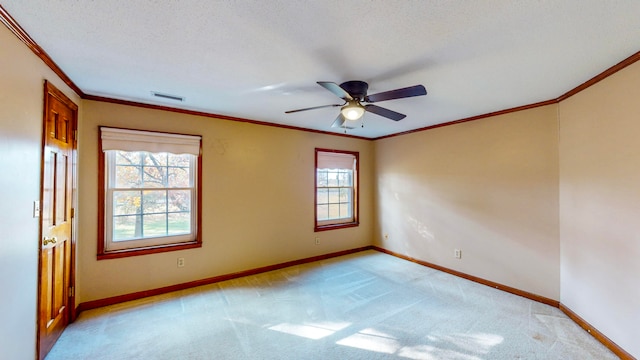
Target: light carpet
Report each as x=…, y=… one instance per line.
x=367, y=305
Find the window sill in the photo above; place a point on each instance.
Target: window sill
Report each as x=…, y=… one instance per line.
x=335, y=226
x=117, y=254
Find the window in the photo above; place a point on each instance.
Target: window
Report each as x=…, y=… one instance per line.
x=336, y=195
x=150, y=192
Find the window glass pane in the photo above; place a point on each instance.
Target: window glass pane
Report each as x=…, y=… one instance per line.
x=154, y=225
x=155, y=176
x=154, y=201
x=128, y=176
x=179, y=223
x=179, y=200
x=334, y=195
x=322, y=212
x=345, y=210
x=154, y=159
x=178, y=177
x=322, y=178
x=128, y=158
x=126, y=202
x=334, y=211
x=345, y=178
x=126, y=227
x=181, y=160
x=332, y=178
x=345, y=195
x=323, y=196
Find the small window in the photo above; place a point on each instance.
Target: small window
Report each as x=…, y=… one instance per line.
x=150, y=187
x=336, y=190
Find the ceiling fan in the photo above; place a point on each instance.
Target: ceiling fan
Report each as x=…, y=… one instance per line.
x=354, y=93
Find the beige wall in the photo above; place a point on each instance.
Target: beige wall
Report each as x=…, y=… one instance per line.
x=22, y=76
x=257, y=201
x=600, y=206
x=487, y=187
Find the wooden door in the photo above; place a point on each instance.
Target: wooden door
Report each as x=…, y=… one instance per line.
x=56, y=244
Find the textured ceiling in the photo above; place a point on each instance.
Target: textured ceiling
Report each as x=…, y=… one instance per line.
x=257, y=59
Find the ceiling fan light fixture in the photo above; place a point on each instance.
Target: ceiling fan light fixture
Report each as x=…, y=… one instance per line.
x=352, y=111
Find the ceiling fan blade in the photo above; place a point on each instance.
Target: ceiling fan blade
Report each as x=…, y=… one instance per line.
x=336, y=89
x=410, y=91
x=389, y=114
x=338, y=122
x=311, y=108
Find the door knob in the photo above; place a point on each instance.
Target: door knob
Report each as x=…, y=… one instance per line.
x=51, y=240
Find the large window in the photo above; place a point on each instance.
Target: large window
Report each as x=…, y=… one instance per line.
x=150, y=192
x=336, y=195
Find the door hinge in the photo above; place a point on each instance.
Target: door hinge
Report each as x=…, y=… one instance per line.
x=72, y=291
x=75, y=134
x=73, y=213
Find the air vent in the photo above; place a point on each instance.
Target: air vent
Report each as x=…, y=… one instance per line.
x=167, y=96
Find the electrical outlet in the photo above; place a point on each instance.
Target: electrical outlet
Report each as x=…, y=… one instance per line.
x=317, y=241
x=36, y=208
x=180, y=262
x=457, y=253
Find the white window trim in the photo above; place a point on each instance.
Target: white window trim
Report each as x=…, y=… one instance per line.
x=346, y=219
x=337, y=159
x=146, y=242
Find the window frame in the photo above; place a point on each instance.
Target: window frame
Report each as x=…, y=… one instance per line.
x=103, y=253
x=337, y=224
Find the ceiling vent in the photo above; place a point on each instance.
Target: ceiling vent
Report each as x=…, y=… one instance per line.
x=167, y=96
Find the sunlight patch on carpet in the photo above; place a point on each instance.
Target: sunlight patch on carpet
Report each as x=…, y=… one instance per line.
x=371, y=339
x=314, y=331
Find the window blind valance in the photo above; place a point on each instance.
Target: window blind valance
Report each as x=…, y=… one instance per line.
x=330, y=160
x=138, y=140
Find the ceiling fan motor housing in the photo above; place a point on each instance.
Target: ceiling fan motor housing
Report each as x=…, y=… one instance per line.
x=357, y=89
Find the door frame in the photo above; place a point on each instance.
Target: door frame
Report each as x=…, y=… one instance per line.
x=51, y=90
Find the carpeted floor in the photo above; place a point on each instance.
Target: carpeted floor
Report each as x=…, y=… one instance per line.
x=363, y=306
